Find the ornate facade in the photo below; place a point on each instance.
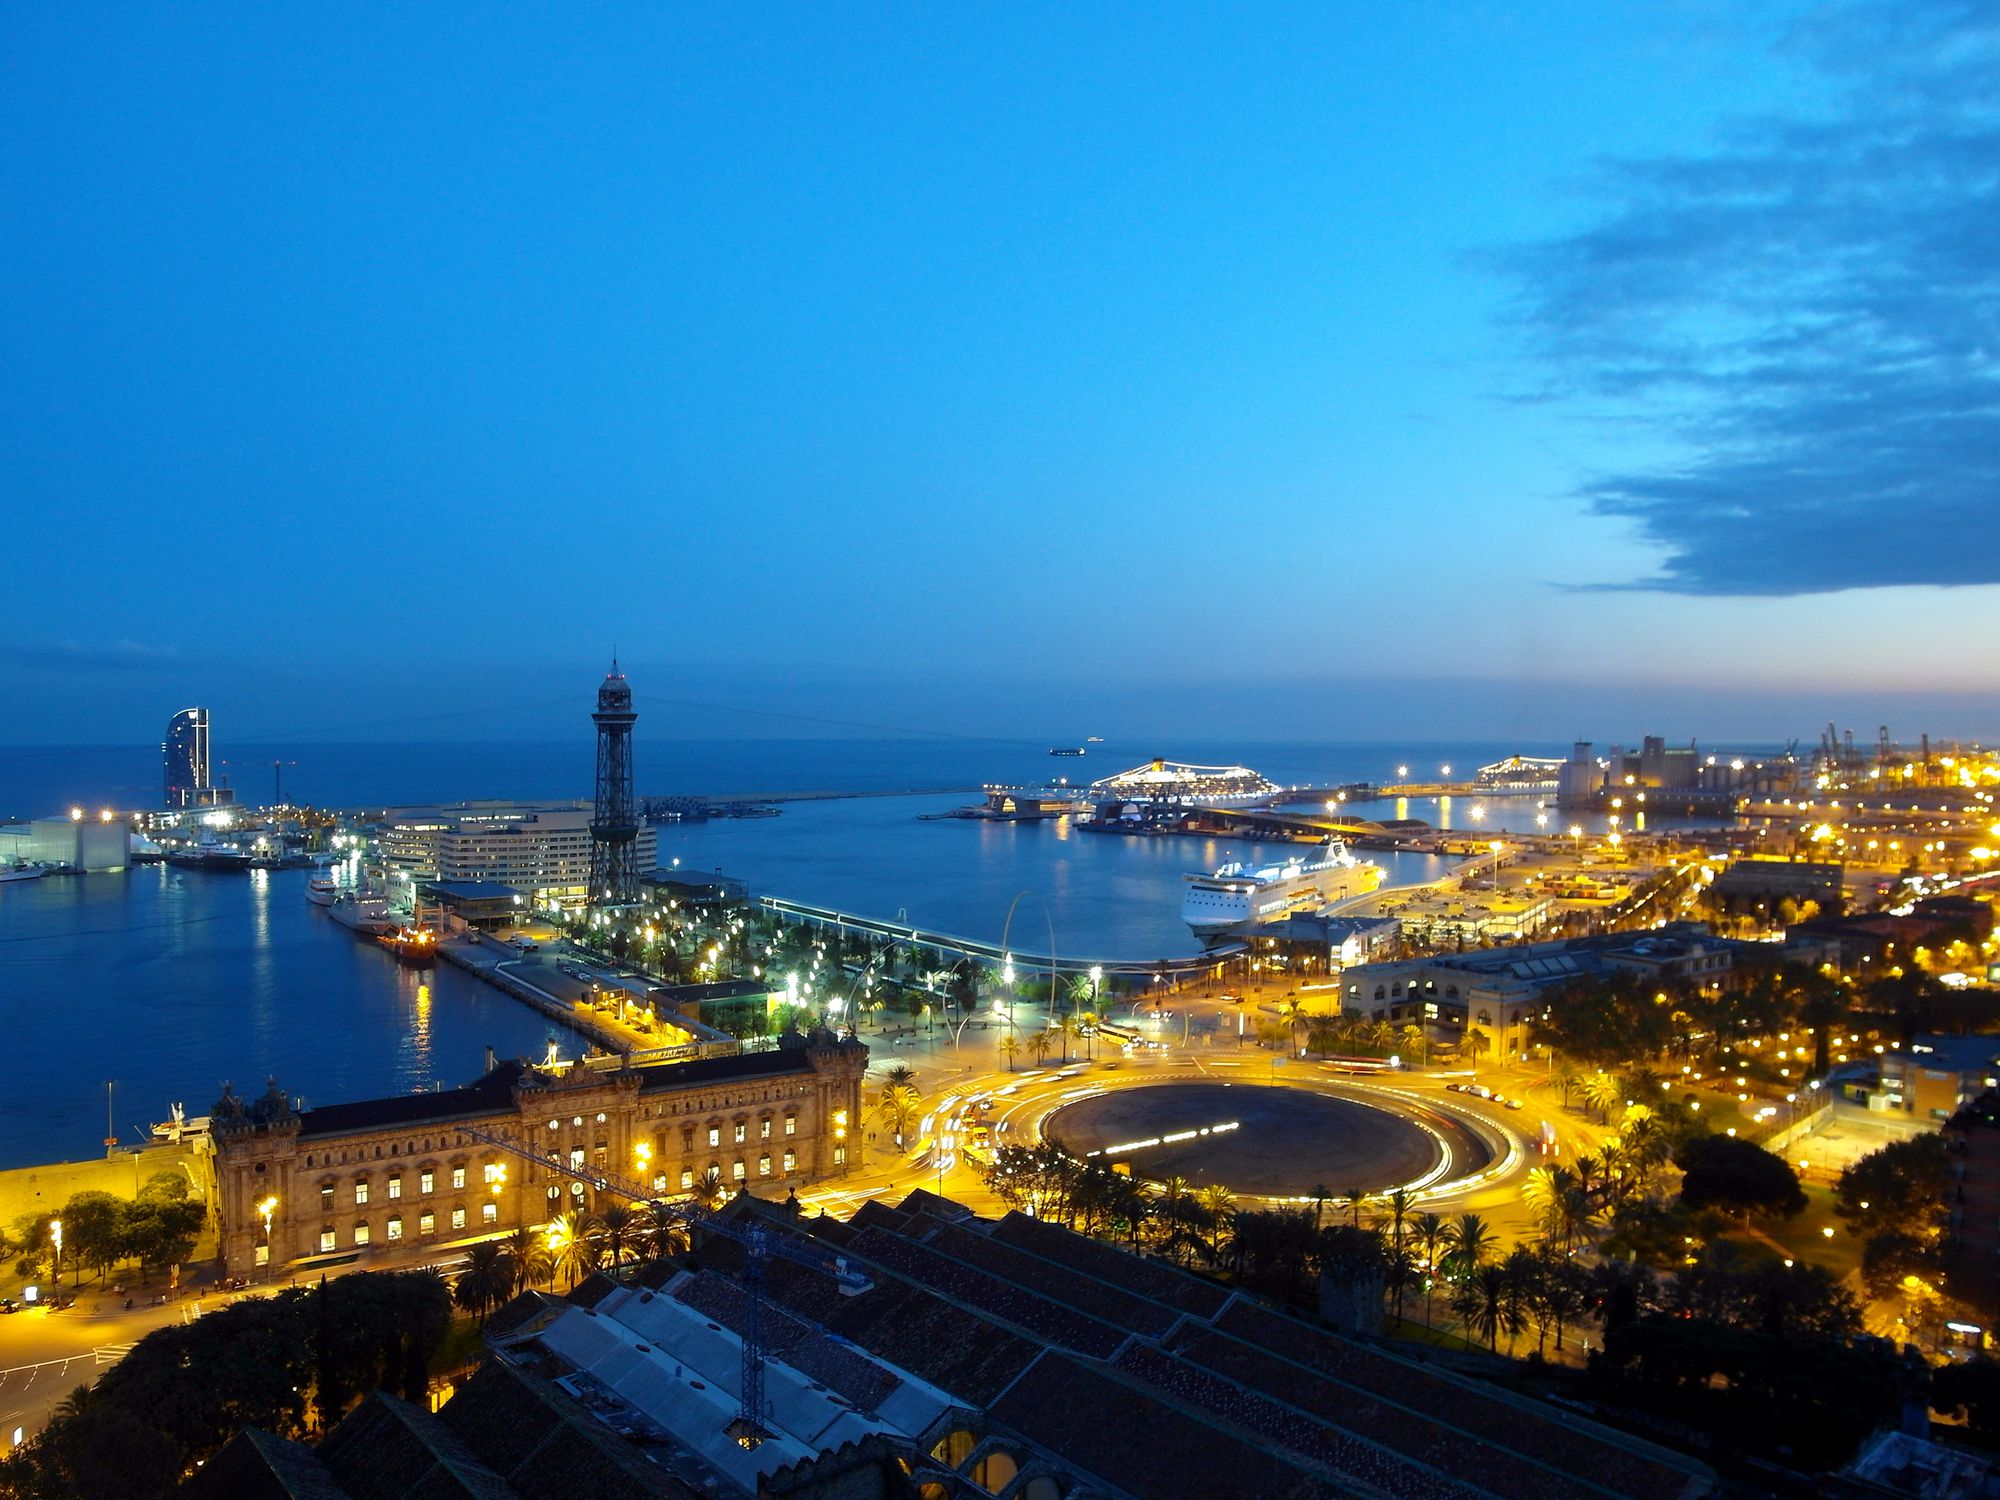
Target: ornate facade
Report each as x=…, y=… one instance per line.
x=299, y=1186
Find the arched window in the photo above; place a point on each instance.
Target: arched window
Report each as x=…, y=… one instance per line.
x=995, y=1471
x=954, y=1448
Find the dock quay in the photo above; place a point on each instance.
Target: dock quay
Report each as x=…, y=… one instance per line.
x=948, y=946
x=501, y=966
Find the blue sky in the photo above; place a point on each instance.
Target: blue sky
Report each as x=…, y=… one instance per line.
x=1320, y=370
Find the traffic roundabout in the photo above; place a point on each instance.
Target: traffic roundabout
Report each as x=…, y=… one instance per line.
x=1279, y=1141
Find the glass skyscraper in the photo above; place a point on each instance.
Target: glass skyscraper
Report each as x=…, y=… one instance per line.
x=185, y=753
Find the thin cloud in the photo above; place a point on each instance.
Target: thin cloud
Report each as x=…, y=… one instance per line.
x=113, y=656
x=1812, y=310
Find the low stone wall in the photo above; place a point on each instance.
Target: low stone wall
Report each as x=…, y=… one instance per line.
x=44, y=1190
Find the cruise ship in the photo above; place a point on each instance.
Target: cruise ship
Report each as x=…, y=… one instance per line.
x=1237, y=896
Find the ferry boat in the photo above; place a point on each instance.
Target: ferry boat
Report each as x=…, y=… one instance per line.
x=1237, y=896
x=321, y=890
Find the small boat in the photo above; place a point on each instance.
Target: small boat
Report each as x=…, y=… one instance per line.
x=22, y=871
x=1067, y=750
x=321, y=891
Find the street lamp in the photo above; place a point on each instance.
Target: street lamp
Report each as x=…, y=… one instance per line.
x=266, y=1207
x=55, y=1231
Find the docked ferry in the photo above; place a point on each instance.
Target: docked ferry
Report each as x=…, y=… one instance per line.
x=1237, y=896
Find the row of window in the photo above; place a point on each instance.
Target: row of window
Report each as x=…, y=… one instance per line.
x=363, y=1233
x=426, y=1185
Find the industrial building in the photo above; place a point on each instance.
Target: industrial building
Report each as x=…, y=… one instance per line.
x=100, y=842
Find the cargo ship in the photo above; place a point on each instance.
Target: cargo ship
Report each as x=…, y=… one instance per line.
x=1237, y=896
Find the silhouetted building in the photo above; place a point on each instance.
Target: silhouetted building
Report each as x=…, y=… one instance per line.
x=185, y=756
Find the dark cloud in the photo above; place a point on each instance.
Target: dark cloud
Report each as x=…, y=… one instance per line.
x=62, y=656
x=1811, y=312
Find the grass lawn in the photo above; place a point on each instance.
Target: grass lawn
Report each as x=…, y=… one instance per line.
x=1805, y=1238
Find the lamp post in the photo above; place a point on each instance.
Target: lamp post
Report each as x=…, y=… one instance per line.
x=55, y=1232
x=267, y=1207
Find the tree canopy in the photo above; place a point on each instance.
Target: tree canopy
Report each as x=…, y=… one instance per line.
x=1736, y=1176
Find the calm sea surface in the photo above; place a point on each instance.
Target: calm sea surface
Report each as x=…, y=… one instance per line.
x=173, y=981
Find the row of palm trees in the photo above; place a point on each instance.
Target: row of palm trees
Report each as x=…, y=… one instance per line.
x=571, y=1247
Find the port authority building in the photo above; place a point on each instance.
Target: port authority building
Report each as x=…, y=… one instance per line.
x=302, y=1186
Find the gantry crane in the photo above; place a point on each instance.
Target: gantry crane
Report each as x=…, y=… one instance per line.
x=756, y=1242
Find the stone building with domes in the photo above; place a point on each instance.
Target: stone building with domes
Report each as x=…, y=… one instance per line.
x=300, y=1187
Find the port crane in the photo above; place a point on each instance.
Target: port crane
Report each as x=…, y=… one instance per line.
x=756, y=1242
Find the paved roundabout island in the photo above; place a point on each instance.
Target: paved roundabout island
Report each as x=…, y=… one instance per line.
x=1262, y=1141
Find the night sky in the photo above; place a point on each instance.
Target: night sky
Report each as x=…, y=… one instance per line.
x=1316, y=371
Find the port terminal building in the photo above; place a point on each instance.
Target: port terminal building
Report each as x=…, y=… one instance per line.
x=541, y=849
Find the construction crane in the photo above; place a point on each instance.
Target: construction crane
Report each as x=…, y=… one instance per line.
x=756, y=1243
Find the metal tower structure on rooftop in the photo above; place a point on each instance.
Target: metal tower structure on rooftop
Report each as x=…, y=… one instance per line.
x=614, y=822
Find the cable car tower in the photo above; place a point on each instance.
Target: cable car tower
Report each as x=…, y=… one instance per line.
x=614, y=820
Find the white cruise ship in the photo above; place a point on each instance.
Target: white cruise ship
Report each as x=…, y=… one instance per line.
x=1237, y=896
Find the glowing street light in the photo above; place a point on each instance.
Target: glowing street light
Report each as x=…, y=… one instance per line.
x=55, y=1232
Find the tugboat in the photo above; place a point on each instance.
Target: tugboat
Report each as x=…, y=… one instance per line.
x=416, y=946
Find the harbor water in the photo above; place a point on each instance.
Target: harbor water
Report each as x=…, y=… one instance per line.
x=172, y=982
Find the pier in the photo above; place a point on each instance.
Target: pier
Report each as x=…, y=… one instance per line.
x=1190, y=966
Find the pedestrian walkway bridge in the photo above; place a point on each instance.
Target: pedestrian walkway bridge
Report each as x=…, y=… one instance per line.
x=950, y=948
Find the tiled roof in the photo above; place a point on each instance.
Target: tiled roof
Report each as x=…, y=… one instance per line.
x=386, y=1449
x=1464, y=1426
x=1033, y=1313
x=256, y=1465
x=771, y=1064
x=1152, y=1279
x=1142, y=1444
x=1097, y=1299
x=544, y=1444
x=493, y=1092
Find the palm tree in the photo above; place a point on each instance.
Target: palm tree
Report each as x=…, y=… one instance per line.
x=669, y=1228
x=1320, y=1194
x=1490, y=1312
x=1430, y=1233
x=1415, y=1041
x=72, y=1405
x=900, y=1075
x=1219, y=1204
x=1354, y=1196
x=528, y=1255
x=1567, y=1080
x=1399, y=1210
x=486, y=1280
x=573, y=1245
x=1471, y=1240
x=1039, y=1043
x=1603, y=1093
x=898, y=1105
x=616, y=1226
x=708, y=1189
x=1067, y=1026
x=1009, y=1046
x=1322, y=1035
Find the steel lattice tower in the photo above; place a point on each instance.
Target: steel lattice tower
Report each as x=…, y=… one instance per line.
x=614, y=822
